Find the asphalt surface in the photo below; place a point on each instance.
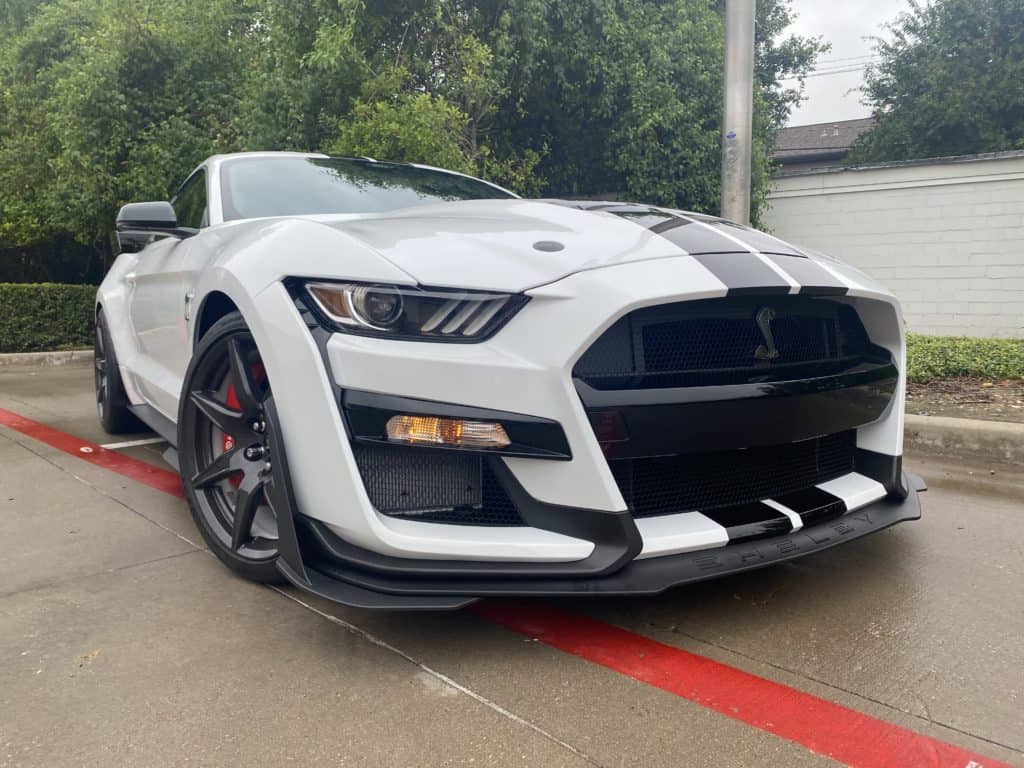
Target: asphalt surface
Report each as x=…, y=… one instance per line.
x=123, y=642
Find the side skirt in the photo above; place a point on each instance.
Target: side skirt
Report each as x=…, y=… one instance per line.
x=156, y=421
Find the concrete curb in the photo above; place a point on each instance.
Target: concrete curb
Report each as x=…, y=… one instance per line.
x=46, y=358
x=999, y=441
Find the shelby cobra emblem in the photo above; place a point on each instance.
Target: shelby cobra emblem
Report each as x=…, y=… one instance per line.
x=766, y=351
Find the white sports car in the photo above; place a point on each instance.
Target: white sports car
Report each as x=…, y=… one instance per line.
x=398, y=386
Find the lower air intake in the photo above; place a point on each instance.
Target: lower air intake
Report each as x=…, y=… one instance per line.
x=434, y=486
x=703, y=481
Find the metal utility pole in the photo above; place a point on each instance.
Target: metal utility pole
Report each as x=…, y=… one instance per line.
x=739, y=109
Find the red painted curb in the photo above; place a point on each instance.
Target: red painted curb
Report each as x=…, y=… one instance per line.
x=819, y=725
x=155, y=477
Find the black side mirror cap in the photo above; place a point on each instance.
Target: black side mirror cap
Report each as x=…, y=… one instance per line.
x=147, y=216
x=137, y=223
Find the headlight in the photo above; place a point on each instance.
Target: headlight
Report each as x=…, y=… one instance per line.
x=413, y=313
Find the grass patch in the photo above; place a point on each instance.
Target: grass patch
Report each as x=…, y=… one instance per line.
x=37, y=317
x=943, y=357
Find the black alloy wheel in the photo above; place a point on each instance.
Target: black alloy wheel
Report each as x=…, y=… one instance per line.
x=102, y=380
x=225, y=434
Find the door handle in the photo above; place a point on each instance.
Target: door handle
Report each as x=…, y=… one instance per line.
x=130, y=278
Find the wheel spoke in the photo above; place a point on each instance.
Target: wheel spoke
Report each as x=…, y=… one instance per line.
x=241, y=376
x=247, y=500
x=221, y=467
x=229, y=420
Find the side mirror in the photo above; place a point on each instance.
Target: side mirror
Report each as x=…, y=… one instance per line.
x=138, y=223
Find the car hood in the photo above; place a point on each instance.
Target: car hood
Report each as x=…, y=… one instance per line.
x=515, y=245
x=506, y=245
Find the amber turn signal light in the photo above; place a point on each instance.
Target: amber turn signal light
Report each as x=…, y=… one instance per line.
x=455, y=433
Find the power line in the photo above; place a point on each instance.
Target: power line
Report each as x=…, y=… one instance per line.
x=838, y=69
x=816, y=73
x=849, y=58
x=855, y=65
x=825, y=73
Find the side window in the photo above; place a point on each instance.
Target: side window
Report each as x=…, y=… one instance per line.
x=190, y=202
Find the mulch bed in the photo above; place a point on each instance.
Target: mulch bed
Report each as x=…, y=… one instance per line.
x=966, y=398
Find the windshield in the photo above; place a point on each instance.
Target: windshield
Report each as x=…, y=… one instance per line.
x=290, y=186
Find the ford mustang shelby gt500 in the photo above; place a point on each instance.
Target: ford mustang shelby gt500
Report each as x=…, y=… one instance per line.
x=398, y=386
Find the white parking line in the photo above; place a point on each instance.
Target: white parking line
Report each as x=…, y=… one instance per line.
x=134, y=443
x=439, y=676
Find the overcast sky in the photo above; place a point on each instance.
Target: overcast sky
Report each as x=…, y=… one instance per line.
x=845, y=25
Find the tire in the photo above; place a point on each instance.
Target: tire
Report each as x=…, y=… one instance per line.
x=111, y=399
x=224, y=434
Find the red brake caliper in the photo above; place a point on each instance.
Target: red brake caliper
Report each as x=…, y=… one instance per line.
x=259, y=374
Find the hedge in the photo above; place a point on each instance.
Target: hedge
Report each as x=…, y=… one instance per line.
x=943, y=357
x=45, y=316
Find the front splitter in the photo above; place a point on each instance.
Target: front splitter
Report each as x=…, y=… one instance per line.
x=339, y=581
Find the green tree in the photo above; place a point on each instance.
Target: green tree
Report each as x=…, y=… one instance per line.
x=950, y=81
x=105, y=101
x=625, y=95
x=432, y=89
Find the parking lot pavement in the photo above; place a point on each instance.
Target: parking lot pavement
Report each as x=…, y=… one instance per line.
x=123, y=642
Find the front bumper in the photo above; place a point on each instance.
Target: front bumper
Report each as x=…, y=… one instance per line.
x=332, y=569
x=579, y=536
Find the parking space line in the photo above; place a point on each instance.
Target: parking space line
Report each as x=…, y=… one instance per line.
x=133, y=443
x=439, y=676
x=819, y=725
x=155, y=477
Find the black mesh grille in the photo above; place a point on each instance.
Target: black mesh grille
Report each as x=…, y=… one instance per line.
x=719, y=341
x=434, y=486
x=666, y=485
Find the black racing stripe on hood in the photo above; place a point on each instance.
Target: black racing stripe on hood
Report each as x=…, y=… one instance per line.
x=713, y=242
x=812, y=277
x=682, y=231
x=750, y=521
x=743, y=273
x=758, y=241
x=694, y=238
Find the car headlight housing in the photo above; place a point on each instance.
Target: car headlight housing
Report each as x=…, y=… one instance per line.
x=412, y=312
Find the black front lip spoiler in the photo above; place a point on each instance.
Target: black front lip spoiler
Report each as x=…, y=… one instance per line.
x=331, y=578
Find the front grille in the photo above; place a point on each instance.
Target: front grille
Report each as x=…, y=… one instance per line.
x=667, y=485
x=434, y=486
x=721, y=341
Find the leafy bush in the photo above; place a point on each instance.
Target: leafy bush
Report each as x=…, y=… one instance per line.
x=45, y=316
x=942, y=357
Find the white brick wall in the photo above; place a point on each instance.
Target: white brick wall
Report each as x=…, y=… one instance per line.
x=947, y=236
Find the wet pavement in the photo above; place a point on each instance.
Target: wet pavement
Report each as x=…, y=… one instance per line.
x=123, y=642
